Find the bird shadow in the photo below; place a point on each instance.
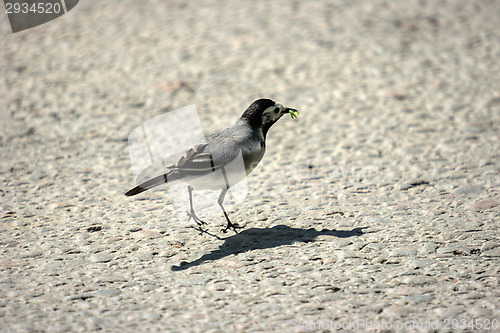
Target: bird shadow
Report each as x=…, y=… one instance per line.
x=264, y=238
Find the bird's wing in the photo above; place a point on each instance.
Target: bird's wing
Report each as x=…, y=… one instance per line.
x=196, y=160
x=159, y=173
x=205, y=158
x=220, y=150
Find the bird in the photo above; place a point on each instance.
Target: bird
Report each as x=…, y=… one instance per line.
x=208, y=165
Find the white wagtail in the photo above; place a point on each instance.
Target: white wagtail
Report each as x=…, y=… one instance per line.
x=246, y=138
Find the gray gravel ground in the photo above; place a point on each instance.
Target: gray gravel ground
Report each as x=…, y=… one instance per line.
x=377, y=210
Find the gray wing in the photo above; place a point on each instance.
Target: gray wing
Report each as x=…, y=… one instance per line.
x=202, y=159
x=197, y=161
x=192, y=159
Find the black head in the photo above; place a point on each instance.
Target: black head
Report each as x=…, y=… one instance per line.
x=263, y=113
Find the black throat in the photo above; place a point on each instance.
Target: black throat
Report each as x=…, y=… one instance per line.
x=266, y=127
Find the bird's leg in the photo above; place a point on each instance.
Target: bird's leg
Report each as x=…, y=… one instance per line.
x=230, y=225
x=191, y=214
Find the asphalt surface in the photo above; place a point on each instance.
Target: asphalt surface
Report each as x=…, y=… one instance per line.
x=376, y=210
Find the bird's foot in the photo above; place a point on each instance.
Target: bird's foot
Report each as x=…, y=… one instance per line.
x=197, y=228
x=192, y=215
x=203, y=231
x=232, y=226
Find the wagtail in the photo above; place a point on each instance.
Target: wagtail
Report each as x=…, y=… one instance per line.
x=207, y=165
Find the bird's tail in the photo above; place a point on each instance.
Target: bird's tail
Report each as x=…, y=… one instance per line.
x=158, y=180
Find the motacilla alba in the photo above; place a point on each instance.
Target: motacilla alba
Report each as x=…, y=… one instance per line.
x=246, y=138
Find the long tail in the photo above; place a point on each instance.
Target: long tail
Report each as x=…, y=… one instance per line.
x=158, y=180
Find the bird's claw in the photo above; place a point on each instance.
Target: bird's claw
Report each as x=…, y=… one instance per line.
x=202, y=231
x=233, y=226
x=192, y=215
x=199, y=229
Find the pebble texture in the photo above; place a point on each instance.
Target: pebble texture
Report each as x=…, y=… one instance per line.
x=378, y=205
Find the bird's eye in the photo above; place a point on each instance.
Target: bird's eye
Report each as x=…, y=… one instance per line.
x=276, y=110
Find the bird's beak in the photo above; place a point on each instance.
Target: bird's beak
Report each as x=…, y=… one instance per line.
x=293, y=112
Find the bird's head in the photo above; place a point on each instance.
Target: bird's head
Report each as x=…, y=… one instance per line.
x=263, y=113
